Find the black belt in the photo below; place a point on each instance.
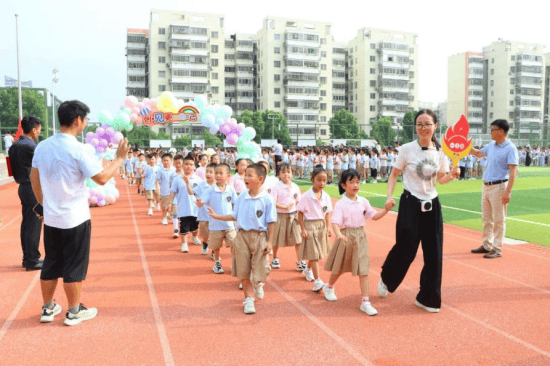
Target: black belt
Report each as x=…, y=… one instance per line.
x=495, y=182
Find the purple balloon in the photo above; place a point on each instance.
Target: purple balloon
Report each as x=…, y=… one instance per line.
x=225, y=129
x=241, y=127
x=90, y=134
x=103, y=143
x=232, y=138
x=101, y=203
x=94, y=142
x=100, y=131
x=110, y=132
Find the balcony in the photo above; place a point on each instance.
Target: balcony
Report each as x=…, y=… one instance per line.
x=301, y=57
x=475, y=87
x=186, y=94
x=244, y=99
x=338, y=102
x=528, y=97
x=475, y=98
x=475, y=120
x=289, y=110
x=339, y=56
x=137, y=72
x=529, y=63
x=136, y=84
x=395, y=64
x=528, y=86
x=383, y=76
x=244, y=87
x=189, y=52
x=135, y=58
x=188, y=80
x=298, y=69
x=386, y=101
x=244, y=62
x=301, y=43
x=393, y=89
x=188, y=65
x=188, y=37
x=475, y=76
x=531, y=108
x=304, y=96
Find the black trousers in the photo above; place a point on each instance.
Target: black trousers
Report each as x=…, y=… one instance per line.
x=414, y=226
x=31, y=226
x=278, y=158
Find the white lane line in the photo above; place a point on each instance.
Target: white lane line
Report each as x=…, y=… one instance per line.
x=14, y=219
x=354, y=353
x=18, y=307
x=164, y=342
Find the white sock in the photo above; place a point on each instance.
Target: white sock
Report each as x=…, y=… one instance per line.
x=175, y=224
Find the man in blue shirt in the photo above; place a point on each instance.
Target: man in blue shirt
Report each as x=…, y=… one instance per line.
x=498, y=180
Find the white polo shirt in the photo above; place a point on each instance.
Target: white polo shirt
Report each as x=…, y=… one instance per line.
x=64, y=165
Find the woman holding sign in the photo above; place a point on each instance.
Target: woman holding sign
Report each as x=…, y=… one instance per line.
x=419, y=220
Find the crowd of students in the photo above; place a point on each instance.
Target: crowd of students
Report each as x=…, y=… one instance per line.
x=257, y=214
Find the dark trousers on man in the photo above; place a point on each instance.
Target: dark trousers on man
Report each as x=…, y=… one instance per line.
x=278, y=158
x=31, y=226
x=414, y=226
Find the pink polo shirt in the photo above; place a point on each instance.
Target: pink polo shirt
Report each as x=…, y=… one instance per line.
x=284, y=195
x=237, y=182
x=269, y=184
x=348, y=213
x=201, y=172
x=313, y=208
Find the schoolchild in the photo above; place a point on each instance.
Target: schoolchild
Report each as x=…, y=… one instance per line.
x=150, y=182
x=203, y=217
x=237, y=180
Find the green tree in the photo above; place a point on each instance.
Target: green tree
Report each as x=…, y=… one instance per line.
x=163, y=136
x=34, y=104
x=383, y=132
x=267, y=128
x=406, y=134
x=210, y=139
x=344, y=125
x=140, y=135
x=184, y=140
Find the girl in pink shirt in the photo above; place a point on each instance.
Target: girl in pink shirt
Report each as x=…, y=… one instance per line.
x=287, y=232
x=350, y=252
x=314, y=217
x=201, y=170
x=237, y=180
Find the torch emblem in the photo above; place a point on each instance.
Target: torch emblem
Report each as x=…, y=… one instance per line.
x=455, y=142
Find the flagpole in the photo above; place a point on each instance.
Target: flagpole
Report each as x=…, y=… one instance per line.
x=18, y=78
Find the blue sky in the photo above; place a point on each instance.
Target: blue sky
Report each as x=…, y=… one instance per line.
x=85, y=40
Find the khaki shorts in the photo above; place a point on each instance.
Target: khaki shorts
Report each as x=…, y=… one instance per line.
x=250, y=255
x=215, y=239
x=165, y=201
x=152, y=195
x=203, y=230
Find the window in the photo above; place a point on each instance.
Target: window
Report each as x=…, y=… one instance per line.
x=162, y=45
x=323, y=80
x=214, y=76
x=373, y=46
x=162, y=30
x=323, y=106
x=277, y=37
x=277, y=104
x=215, y=90
x=162, y=88
x=323, y=93
x=323, y=53
x=214, y=35
x=491, y=115
x=373, y=83
x=512, y=80
x=373, y=58
x=355, y=109
x=372, y=95
x=162, y=74
x=277, y=63
x=214, y=62
x=277, y=91
x=323, y=67
x=511, y=114
x=277, y=50
x=324, y=131
x=492, y=93
x=373, y=108
x=492, y=71
x=277, y=77
x=491, y=104
x=492, y=83
x=372, y=71
x=411, y=74
x=511, y=103
x=511, y=91
x=351, y=97
x=323, y=41
x=492, y=61
x=162, y=59
x=355, y=86
x=513, y=58
x=214, y=48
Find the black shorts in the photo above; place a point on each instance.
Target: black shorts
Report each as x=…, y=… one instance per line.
x=67, y=252
x=188, y=224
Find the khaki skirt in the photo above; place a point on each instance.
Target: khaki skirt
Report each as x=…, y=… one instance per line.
x=315, y=246
x=351, y=256
x=287, y=232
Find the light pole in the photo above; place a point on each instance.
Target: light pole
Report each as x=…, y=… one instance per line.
x=272, y=117
x=54, y=81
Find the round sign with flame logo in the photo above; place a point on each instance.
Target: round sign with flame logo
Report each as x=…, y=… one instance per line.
x=455, y=142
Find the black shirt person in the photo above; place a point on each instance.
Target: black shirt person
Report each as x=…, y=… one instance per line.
x=21, y=154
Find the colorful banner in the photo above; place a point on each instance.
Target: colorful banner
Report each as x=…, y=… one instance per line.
x=186, y=115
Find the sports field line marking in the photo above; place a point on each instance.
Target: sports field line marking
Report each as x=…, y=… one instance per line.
x=5, y=226
x=461, y=209
x=362, y=360
x=18, y=307
x=164, y=342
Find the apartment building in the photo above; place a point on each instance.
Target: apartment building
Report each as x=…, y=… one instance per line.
x=137, y=57
x=441, y=113
x=240, y=72
x=546, y=115
x=382, y=75
x=466, y=90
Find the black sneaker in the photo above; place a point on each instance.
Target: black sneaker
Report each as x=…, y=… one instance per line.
x=492, y=254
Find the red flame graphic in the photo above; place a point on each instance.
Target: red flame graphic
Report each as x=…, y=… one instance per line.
x=456, y=136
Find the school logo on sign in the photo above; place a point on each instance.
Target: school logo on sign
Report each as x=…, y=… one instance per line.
x=259, y=213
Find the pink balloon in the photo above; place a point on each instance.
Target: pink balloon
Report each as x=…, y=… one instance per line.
x=232, y=122
x=103, y=143
x=118, y=137
x=94, y=142
x=225, y=129
x=133, y=117
x=140, y=105
x=153, y=103
x=130, y=101
x=136, y=110
x=101, y=203
x=241, y=127
x=99, y=132
x=100, y=149
x=110, y=131
x=232, y=138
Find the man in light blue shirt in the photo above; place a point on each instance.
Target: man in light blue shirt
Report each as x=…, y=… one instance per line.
x=498, y=180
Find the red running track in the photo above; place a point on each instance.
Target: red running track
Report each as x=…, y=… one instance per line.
x=158, y=306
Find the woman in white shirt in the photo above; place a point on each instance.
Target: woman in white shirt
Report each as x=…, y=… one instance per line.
x=422, y=163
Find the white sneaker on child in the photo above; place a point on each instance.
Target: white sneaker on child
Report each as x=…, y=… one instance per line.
x=329, y=293
x=318, y=285
x=366, y=307
x=259, y=290
x=249, y=305
x=165, y=221
x=196, y=241
x=176, y=234
x=158, y=207
x=240, y=286
x=150, y=212
x=184, y=248
x=308, y=273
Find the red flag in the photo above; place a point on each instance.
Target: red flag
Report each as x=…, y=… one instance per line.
x=19, y=131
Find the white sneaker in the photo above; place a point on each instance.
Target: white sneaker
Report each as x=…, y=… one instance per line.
x=83, y=315
x=49, y=314
x=184, y=248
x=150, y=212
x=308, y=273
x=275, y=263
x=240, y=286
x=165, y=221
x=427, y=308
x=218, y=269
x=196, y=241
x=158, y=207
x=249, y=305
x=176, y=234
x=382, y=289
x=318, y=285
x=329, y=293
x=366, y=307
x=301, y=265
x=259, y=290
x=204, y=250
